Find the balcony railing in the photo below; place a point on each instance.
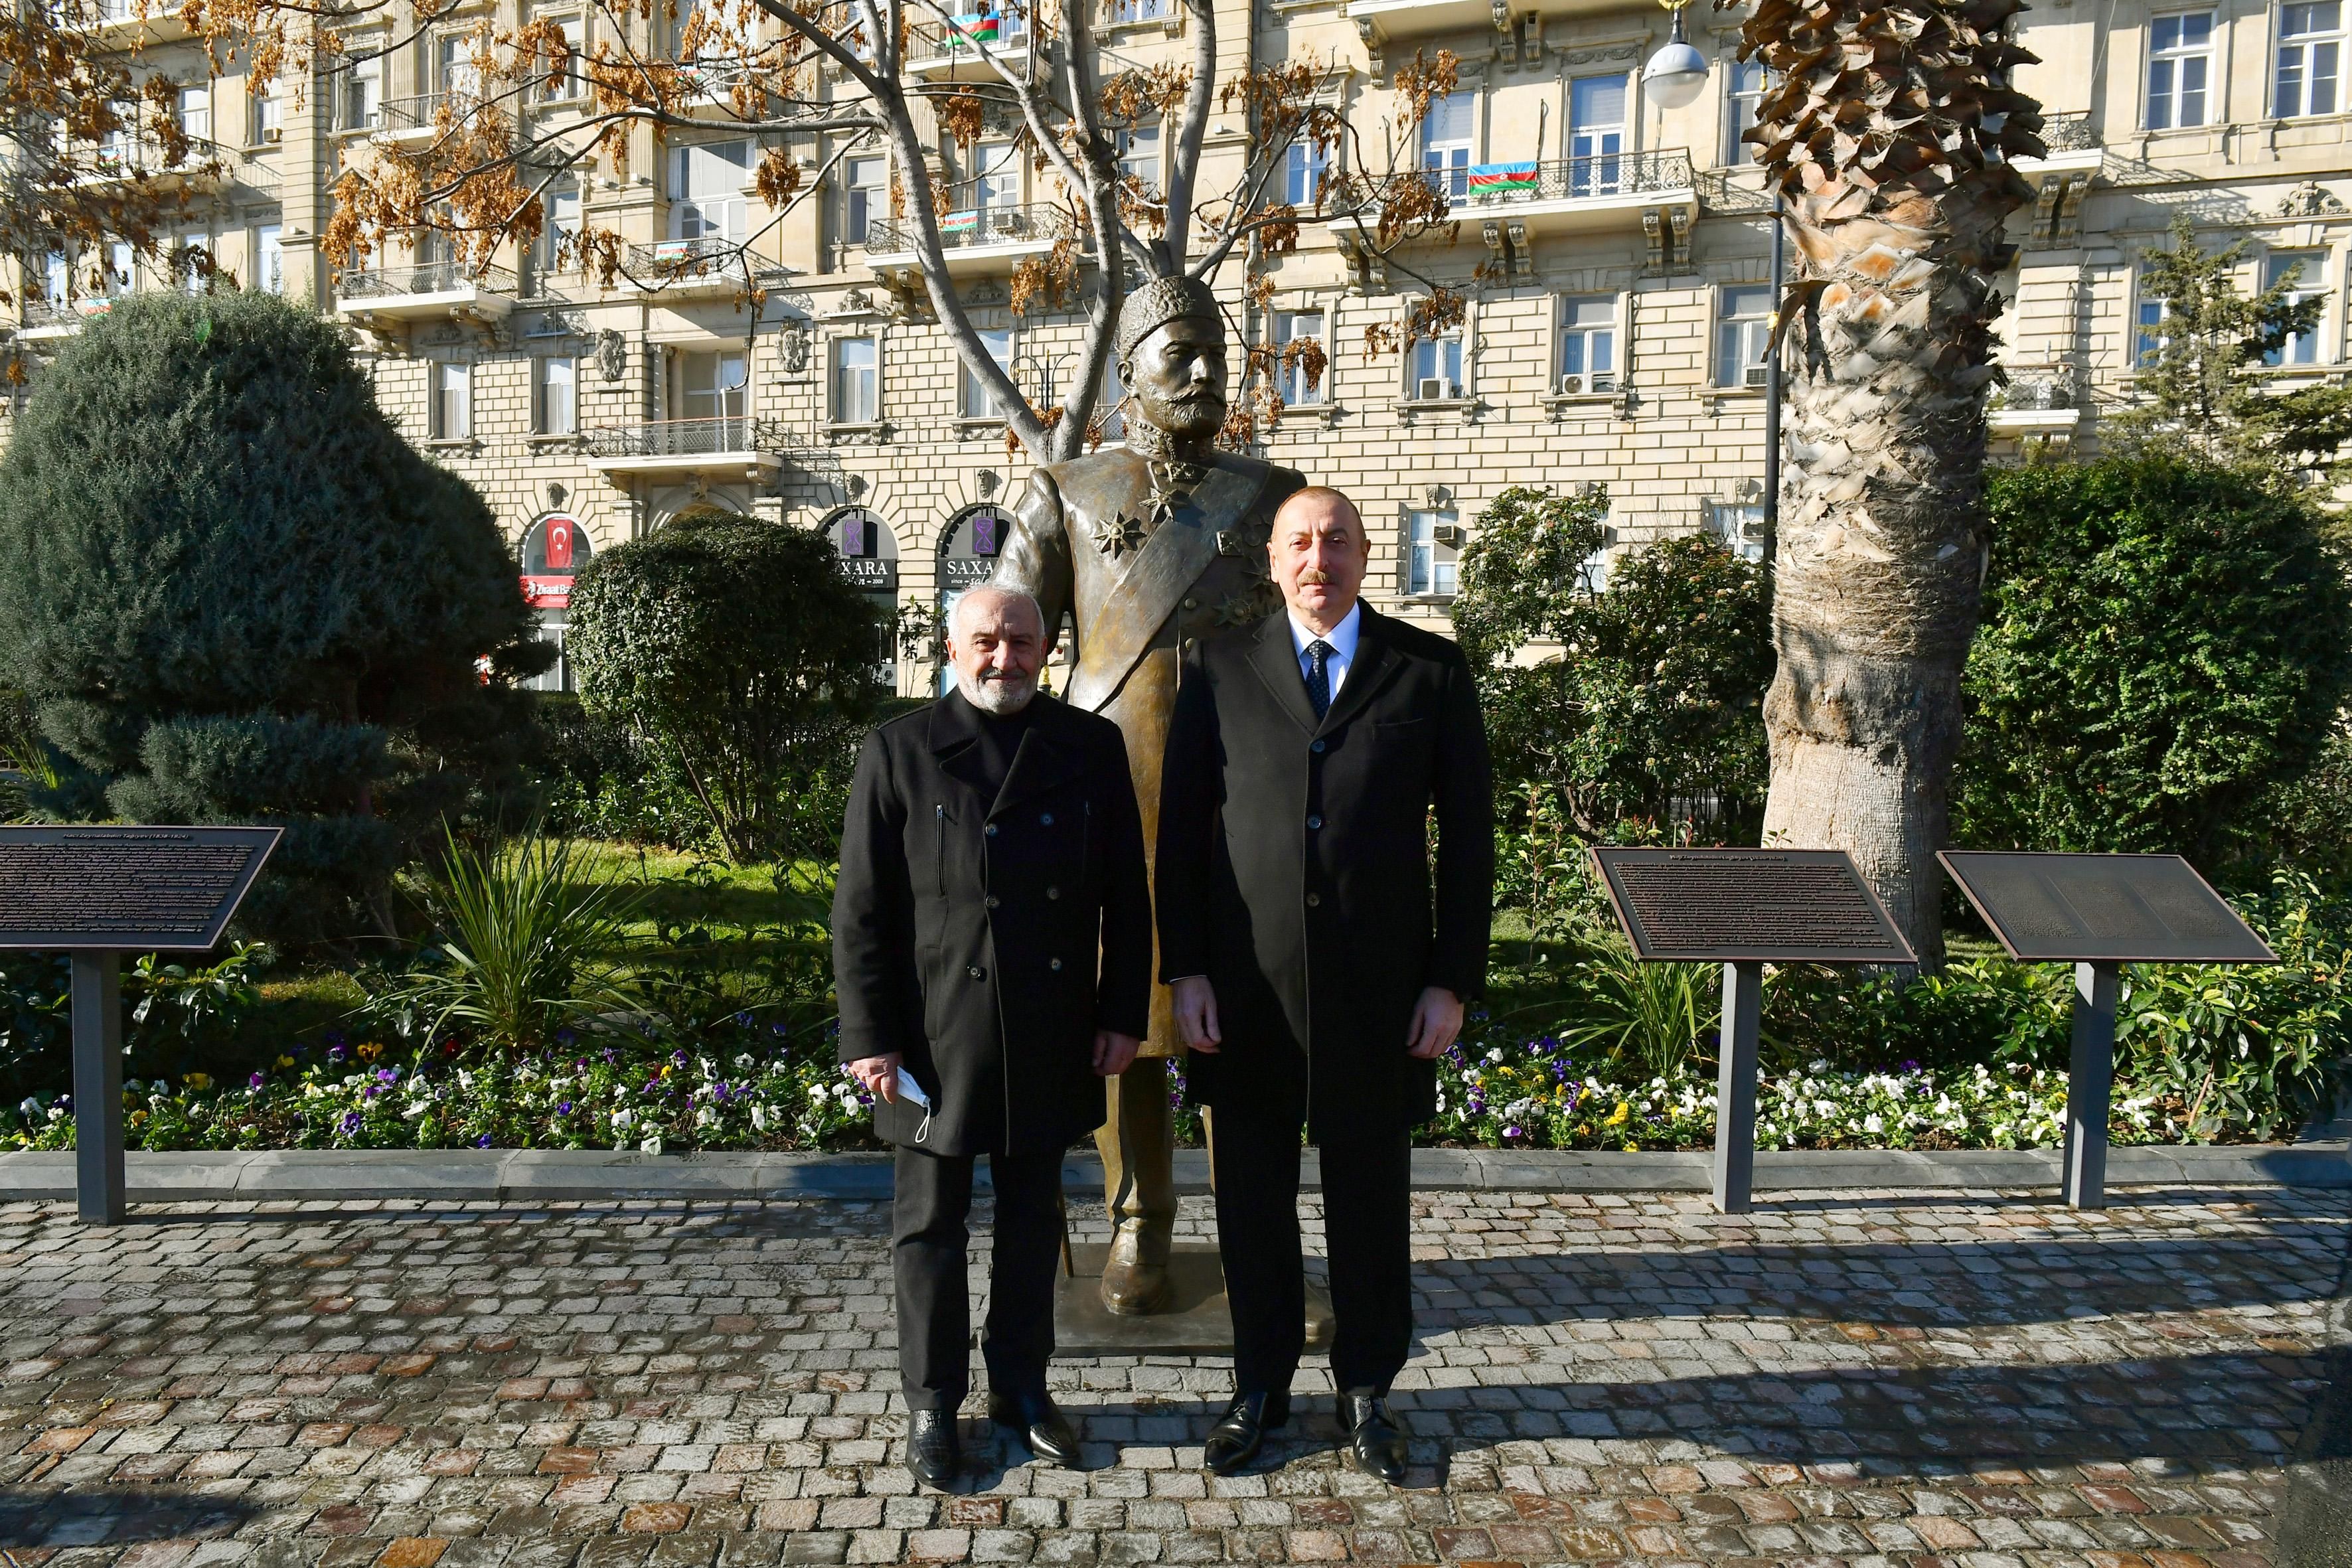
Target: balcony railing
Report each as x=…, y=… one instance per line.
x=423, y=112
x=1490, y=188
x=2039, y=388
x=931, y=41
x=41, y=310
x=676, y=438
x=422, y=277
x=671, y=258
x=125, y=157
x=2069, y=132
x=1039, y=222
x=1736, y=192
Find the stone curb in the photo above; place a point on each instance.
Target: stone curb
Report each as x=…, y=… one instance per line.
x=557, y=1175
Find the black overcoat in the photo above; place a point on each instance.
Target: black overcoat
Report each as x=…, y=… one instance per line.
x=1296, y=869
x=972, y=935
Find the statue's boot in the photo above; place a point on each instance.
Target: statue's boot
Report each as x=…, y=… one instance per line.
x=1138, y=1154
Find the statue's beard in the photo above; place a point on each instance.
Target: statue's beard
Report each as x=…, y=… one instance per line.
x=1197, y=417
x=992, y=691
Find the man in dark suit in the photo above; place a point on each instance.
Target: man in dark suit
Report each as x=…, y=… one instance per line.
x=1318, y=966
x=993, y=944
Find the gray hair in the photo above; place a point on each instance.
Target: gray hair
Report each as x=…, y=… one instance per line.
x=995, y=596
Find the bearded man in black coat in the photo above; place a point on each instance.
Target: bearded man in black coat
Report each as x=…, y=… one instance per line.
x=992, y=944
x=1319, y=961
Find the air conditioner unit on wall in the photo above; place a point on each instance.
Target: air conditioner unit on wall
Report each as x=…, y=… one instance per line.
x=1572, y=385
x=1604, y=383
x=1757, y=377
x=274, y=133
x=1448, y=534
x=1430, y=389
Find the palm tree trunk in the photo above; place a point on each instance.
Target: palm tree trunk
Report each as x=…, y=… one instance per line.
x=1889, y=130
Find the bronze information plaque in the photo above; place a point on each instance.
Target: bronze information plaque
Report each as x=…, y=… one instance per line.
x=131, y=890
x=1774, y=906
x=2103, y=908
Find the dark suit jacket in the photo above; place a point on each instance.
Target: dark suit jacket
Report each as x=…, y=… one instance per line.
x=969, y=934
x=1294, y=870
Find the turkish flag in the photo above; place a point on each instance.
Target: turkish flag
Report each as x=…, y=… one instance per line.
x=559, y=543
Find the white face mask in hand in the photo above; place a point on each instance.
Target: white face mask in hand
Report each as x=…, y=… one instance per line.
x=907, y=1088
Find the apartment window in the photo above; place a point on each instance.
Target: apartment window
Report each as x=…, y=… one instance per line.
x=455, y=71
x=1740, y=526
x=363, y=91
x=268, y=260
x=1306, y=170
x=865, y=196
x=2308, y=272
x=1745, y=81
x=564, y=82
x=453, y=401
x=1293, y=331
x=1587, y=346
x=114, y=147
x=976, y=401
x=2310, y=50
x=191, y=261
x=1433, y=567
x=728, y=31
x=2179, y=68
x=995, y=177
x=857, y=381
x=194, y=113
x=555, y=396
x=2149, y=337
x=56, y=278
x=1110, y=404
x=1141, y=10
x=269, y=115
x=558, y=234
x=1445, y=139
x=1437, y=368
x=1743, y=332
x=1596, y=135
x=712, y=387
x=706, y=190
x=121, y=260
x=1138, y=156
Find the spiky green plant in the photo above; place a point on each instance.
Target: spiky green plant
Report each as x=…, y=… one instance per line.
x=1658, y=1014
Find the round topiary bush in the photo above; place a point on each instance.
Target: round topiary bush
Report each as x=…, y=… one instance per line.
x=233, y=593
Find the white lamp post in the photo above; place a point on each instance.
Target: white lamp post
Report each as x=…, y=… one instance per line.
x=1676, y=74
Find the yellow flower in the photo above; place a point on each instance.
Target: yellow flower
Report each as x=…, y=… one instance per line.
x=285, y=1061
x=137, y=1116
x=1632, y=1148
x=1622, y=1115
x=370, y=1051
x=665, y=1071
x=198, y=1080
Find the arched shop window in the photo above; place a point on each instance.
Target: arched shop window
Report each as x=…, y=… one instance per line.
x=968, y=551
x=553, y=551
x=869, y=558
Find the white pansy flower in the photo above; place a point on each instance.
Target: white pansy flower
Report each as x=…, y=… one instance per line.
x=760, y=1116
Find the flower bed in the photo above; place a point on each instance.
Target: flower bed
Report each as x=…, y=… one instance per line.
x=1532, y=1094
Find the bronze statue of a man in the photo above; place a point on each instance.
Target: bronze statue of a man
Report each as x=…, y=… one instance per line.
x=1149, y=546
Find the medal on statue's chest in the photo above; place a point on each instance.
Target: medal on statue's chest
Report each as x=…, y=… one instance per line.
x=1172, y=483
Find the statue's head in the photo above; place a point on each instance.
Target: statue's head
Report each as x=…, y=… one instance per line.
x=1171, y=355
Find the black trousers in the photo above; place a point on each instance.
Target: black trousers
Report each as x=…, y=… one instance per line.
x=1367, y=1226
x=928, y=1245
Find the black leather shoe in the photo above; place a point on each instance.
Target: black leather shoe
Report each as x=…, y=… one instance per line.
x=1241, y=1431
x=934, y=1452
x=1376, y=1438
x=1045, y=1428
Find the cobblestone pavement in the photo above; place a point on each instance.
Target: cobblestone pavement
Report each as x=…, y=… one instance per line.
x=1979, y=1379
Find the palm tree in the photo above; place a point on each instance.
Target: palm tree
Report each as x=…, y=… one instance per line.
x=1888, y=130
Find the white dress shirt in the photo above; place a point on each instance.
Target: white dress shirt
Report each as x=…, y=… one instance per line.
x=1340, y=639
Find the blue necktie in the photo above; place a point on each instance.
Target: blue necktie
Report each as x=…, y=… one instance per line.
x=1319, y=677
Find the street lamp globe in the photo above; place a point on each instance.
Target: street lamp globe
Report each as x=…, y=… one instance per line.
x=1676, y=74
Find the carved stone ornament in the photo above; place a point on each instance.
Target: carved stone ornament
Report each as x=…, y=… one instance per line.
x=612, y=354
x=2311, y=199
x=793, y=347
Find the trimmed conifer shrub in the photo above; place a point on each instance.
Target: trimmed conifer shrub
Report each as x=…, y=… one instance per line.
x=233, y=593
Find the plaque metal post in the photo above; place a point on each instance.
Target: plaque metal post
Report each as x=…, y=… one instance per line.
x=98, y=1086
x=2090, y=1085
x=1735, y=1089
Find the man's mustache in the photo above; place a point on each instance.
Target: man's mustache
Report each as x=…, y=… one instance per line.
x=1315, y=577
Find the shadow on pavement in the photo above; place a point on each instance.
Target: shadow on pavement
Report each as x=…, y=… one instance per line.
x=114, y=1517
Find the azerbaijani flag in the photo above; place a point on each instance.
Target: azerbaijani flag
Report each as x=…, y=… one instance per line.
x=960, y=225
x=977, y=28
x=1489, y=181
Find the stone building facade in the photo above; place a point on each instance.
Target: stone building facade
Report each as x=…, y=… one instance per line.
x=1616, y=339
